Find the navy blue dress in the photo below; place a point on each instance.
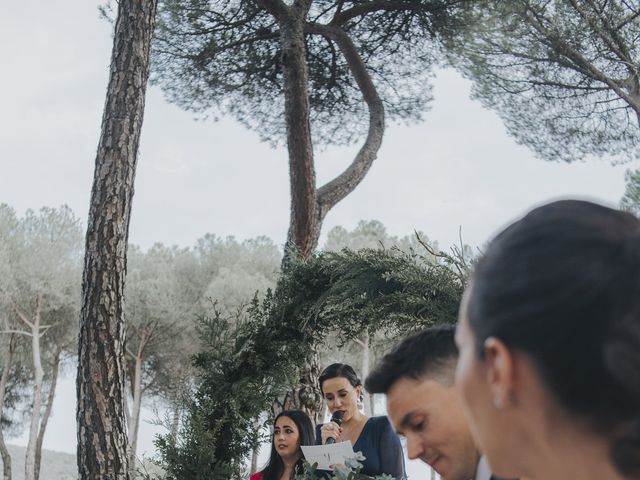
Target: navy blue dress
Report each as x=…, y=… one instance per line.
x=381, y=447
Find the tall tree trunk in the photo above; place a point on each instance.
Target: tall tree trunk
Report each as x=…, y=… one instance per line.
x=102, y=438
x=6, y=370
x=254, y=459
x=309, y=205
x=635, y=95
x=364, y=372
x=38, y=377
x=134, y=420
x=175, y=423
x=307, y=395
x=334, y=191
x=47, y=412
x=303, y=224
x=256, y=449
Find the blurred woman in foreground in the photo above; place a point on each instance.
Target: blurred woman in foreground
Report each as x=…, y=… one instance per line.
x=549, y=339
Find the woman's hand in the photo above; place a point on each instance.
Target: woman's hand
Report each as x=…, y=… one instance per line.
x=330, y=429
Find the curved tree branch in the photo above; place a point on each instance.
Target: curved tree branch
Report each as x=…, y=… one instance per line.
x=609, y=36
x=588, y=68
x=338, y=188
x=21, y=315
x=343, y=16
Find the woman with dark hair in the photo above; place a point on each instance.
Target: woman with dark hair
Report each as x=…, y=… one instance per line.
x=292, y=428
x=373, y=437
x=549, y=339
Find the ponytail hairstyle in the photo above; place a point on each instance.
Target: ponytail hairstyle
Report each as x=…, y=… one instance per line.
x=274, y=468
x=563, y=286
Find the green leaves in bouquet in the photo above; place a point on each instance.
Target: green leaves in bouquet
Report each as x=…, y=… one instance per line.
x=350, y=471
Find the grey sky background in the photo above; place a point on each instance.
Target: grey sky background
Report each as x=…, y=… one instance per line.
x=458, y=168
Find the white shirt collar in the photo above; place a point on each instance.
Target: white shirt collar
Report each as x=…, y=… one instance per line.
x=482, y=471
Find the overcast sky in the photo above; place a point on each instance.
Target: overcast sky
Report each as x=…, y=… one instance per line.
x=457, y=168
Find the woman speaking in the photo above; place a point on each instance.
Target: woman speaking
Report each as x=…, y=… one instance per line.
x=373, y=437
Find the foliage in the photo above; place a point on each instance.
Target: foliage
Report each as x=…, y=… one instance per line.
x=157, y=314
x=224, y=57
x=562, y=74
x=373, y=289
x=631, y=199
x=243, y=368
x=14, y=348
x=167, y=288
x=350, y=471
x=234, y=271
x=59, y=466
x=218, y=427
x=364, y=351
x=43, y=253
x=372, y=234
x=40, y=258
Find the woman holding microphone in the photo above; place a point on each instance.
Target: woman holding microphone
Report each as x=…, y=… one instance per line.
x=373, y=437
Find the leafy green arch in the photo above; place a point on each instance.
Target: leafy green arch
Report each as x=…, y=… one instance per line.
x=243, y=368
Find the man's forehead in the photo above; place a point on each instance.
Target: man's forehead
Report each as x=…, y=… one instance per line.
x=410, y=394
x=405, y=393
x=440, y=375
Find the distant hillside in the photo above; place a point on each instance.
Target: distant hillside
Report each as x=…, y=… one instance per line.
x=55, y=465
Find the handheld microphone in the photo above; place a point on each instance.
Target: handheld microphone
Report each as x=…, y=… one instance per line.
x=335, y=418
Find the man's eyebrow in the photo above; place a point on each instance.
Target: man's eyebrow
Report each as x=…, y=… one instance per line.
x=406, y=420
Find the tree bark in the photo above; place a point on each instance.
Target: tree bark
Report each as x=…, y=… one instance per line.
x=102, y=437
x=332, y=192
x=38, y=377
x=47, y=412
x=6, y=370
x=303, y=225
x=307, y=397
x=364, y=373
x=256, y=449
x=309, y=205
x=175, y=422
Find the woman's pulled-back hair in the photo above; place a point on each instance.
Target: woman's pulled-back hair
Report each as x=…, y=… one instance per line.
x=336, y=370
x=563, y=286
x=274, y=468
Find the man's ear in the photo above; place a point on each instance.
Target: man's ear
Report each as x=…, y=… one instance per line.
x=500, y=371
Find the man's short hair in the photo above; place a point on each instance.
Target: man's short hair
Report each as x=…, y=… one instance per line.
x=431, y=352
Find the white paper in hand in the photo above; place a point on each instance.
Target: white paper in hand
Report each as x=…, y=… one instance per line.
x=325, y=455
